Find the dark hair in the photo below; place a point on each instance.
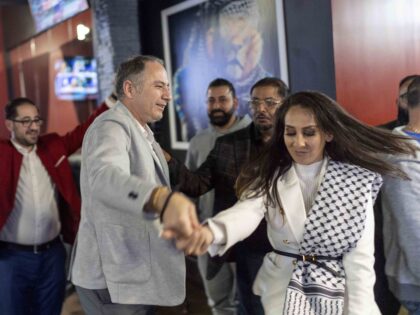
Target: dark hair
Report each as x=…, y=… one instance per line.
x=413, y=93
x=282, y=89
x=131, y=69
x=353, y=142
x=222, y=82
x=10, y=111
x=407, y=78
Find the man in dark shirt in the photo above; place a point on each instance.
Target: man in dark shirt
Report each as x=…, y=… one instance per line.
x=220, y=170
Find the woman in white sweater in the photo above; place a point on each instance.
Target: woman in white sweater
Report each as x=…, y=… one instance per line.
x=315, y=185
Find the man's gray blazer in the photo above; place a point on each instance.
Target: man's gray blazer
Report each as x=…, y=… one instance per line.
x=117, y=246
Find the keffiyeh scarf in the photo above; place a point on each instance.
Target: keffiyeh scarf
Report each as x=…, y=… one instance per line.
x=333, y=227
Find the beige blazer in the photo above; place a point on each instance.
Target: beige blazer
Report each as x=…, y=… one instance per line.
x=117, y=246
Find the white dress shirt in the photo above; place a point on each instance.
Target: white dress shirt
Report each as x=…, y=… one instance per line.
x=148, y=133
x=34, y=219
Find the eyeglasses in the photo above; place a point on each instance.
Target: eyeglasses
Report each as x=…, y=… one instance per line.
x=28, y=122
x=268, y=102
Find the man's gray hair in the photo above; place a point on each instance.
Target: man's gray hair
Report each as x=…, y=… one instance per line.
x=132, y=69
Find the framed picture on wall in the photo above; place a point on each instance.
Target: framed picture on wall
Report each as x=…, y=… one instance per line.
x=239, y=40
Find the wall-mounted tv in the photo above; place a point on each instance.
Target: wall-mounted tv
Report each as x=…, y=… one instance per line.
x=47, y=13
x=76, y=78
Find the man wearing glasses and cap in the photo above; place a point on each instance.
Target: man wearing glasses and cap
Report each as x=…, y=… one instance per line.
x=220, y=170
x=38, y=202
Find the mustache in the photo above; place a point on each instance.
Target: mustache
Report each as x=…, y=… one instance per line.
x=261, y=115
x=214, y=111
x=32, y=132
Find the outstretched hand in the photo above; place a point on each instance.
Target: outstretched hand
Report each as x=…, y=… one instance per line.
x=197, y=243
x=180, y=218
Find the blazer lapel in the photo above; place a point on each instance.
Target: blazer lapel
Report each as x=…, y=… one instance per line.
x=292, y=202
x=158, y=157
x=161, y=163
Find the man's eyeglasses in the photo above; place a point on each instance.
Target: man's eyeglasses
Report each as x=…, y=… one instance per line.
x=28, y=122
x=268, y=102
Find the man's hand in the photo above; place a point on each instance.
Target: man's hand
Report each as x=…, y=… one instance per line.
x=167, y=156
x=197, y=243
x=180, y=218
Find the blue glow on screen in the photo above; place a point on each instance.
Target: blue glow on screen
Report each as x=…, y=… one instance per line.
x=76, y=78
x=47, y=13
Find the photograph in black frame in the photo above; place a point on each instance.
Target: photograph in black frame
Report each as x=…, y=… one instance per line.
x=240, y=40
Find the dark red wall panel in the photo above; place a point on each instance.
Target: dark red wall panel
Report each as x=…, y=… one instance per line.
x=376, y=43
x=32, y=65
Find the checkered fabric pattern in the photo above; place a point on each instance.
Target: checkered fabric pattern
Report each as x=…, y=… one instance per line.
x=333, y=228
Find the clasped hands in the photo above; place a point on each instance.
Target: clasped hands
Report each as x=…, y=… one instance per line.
x=181, y=224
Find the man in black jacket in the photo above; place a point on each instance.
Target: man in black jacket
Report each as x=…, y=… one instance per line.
x=220, y=170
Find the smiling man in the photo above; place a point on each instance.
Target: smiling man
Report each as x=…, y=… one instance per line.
x=219, y=172
x=121, y=264
x=222, y=105
x=39, y=207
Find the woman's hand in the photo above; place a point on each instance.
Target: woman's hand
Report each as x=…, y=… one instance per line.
x=197, y=243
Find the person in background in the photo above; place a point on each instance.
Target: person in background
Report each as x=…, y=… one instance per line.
x=121, y=265
x=222, y=104
x=219, y=172
x=387, y=302
x=400, y=205
x=39, y=209
x=316, y=190
x=401, y=101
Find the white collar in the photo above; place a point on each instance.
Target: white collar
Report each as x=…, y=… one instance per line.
x=21, y=149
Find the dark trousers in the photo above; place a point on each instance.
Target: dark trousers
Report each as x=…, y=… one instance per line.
x=98, y=302
x=247, y=265
x=386, y=301
x=32, y=284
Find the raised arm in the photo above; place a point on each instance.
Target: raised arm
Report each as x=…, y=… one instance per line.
x=197, y=183
x=225, y=229
x=74, y=138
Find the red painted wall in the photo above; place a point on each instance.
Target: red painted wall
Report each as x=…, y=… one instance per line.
x=33, y=73
x=376, y=43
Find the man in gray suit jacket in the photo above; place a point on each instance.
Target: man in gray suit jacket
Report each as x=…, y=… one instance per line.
x=121, y=265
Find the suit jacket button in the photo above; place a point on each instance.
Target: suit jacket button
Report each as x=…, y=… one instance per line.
x=132, y=195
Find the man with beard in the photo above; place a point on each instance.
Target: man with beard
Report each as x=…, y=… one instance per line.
x=39, y=201
x=219, y=172
x=402, y=118
x=222, y=104
x=386, y=301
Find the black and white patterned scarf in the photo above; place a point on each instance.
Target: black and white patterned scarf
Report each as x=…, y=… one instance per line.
x=333, y=227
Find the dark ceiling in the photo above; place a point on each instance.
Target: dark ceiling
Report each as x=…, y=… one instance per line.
x=12, y=2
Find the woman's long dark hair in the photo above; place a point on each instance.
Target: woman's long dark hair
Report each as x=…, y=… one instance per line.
x=353, y=142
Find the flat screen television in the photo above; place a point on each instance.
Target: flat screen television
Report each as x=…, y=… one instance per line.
x=76, y=78
x=47, y=13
